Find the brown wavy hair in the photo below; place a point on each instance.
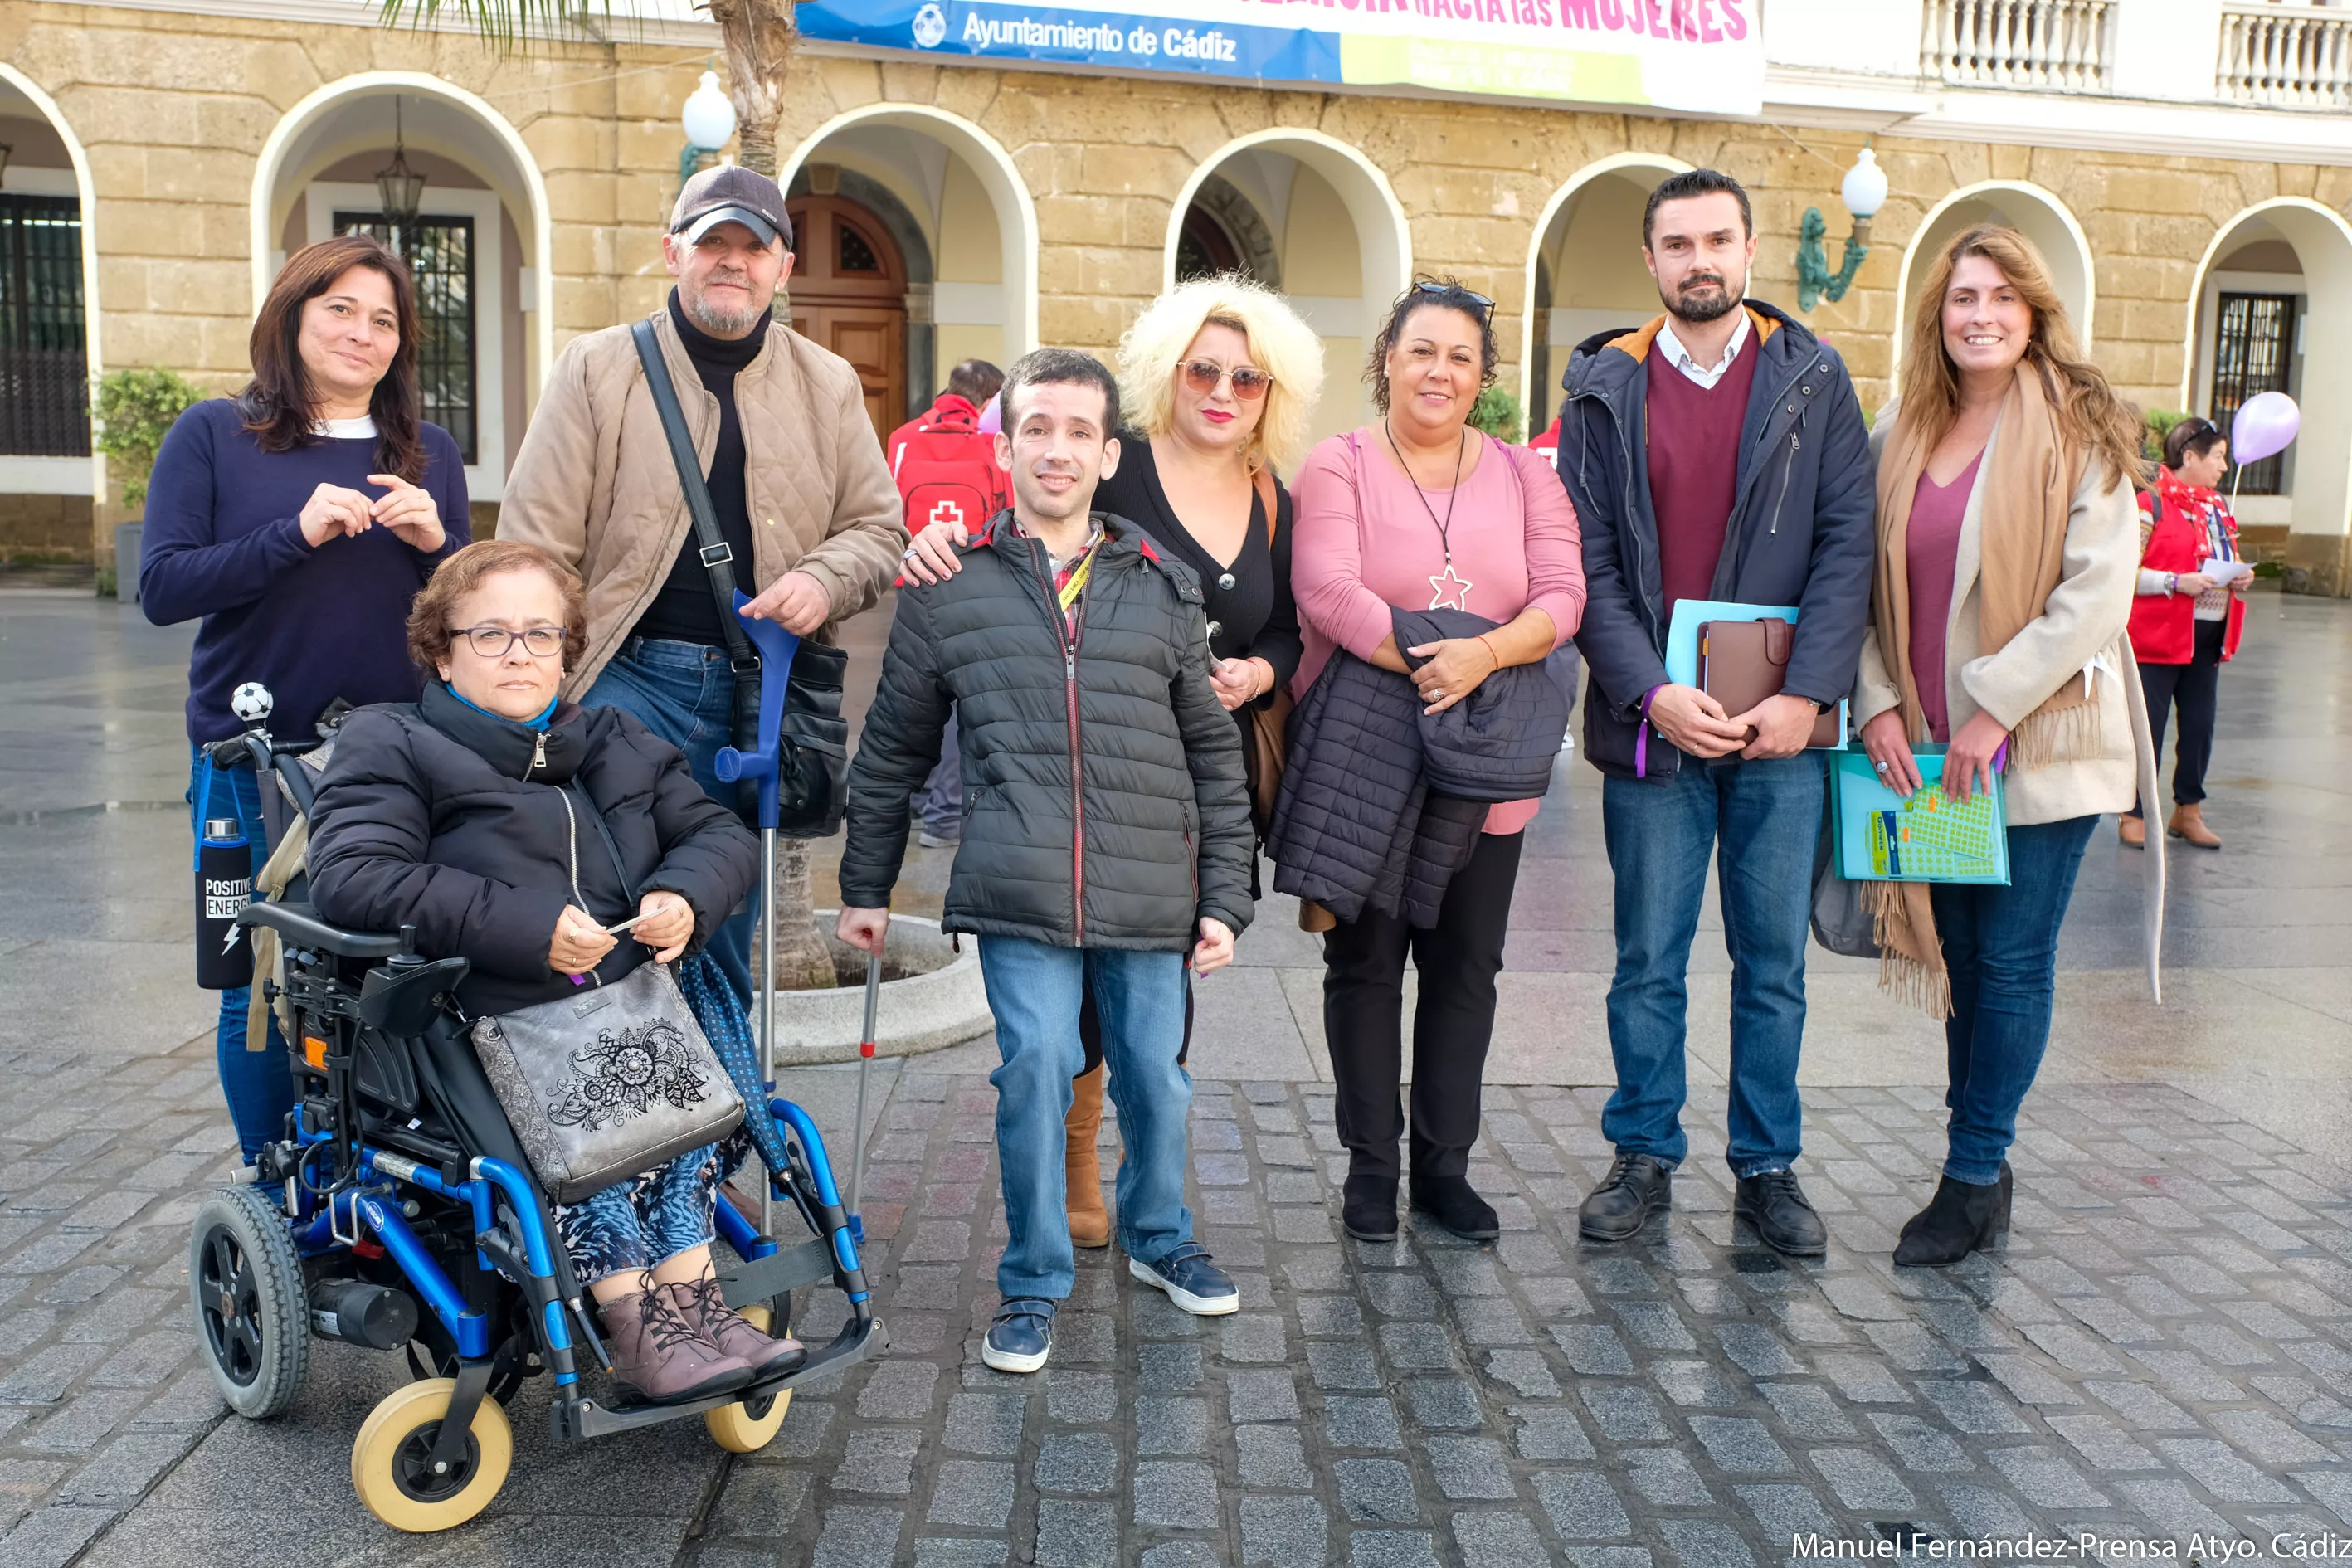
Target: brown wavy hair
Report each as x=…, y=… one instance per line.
x=279, y=406
x=429, y=631
x=2090, y=415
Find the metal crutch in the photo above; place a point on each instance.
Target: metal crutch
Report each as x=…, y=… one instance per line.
x=776, y=648
x=864, y=1074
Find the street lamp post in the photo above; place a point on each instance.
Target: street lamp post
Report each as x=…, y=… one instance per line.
x=710, y=122
x=1863, y=191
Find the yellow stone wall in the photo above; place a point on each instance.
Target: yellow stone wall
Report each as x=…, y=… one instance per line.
x=174, y=110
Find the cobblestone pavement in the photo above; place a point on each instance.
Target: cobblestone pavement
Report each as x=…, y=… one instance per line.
x=2162, y=1351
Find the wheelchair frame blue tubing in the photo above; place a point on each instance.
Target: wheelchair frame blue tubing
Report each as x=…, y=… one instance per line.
x=828, y=1195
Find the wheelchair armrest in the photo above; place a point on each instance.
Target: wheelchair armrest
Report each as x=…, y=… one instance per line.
x=299, y=924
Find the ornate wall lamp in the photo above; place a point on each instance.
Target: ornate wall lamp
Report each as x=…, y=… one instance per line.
x=709, y=121
x=1865, y=192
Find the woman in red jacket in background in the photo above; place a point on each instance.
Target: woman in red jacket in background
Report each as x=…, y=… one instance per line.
x=2185, y=620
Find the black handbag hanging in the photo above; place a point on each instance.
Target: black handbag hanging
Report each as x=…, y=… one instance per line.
x=813, y=760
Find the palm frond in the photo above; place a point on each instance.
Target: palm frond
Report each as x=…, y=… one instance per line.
x=504, y=23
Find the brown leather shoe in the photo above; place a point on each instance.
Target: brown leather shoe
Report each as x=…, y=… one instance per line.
x=2189, y=824
x=703, y=1304
x=2132, y=831
x=663, y=1356
x=1082, y=1174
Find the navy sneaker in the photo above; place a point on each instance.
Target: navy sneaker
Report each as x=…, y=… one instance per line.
x=1191, y=1282
x=1021, y=1337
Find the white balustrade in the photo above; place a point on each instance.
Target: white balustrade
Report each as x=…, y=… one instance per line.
x=2296, y=56
x=2047, y=45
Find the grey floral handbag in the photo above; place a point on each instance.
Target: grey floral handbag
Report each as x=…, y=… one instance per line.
x=614, y=1081
x=609, y=1083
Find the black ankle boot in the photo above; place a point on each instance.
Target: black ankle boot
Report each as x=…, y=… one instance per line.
x=1960, y=1218
x=1452, y=1202
x=1368, y=1208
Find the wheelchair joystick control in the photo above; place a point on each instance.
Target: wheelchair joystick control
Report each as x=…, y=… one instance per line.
x=408, y=957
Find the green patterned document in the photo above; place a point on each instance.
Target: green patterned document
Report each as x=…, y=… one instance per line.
x=1881, y=837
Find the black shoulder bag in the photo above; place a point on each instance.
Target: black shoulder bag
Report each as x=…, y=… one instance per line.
x=812, y=743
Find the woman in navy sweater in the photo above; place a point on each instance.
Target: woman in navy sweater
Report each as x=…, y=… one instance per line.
x=298, y=518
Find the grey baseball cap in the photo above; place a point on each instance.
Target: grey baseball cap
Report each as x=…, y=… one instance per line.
x=730, y=194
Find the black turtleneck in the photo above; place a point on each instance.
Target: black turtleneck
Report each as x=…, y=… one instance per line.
x=684, y=611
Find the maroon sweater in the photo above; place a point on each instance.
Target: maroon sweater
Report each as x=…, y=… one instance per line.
x=1694, y=439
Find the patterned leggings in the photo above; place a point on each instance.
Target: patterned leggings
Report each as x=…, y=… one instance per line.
x=648, y=1219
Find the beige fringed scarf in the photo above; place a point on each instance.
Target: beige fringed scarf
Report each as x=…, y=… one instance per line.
x=2027, y=490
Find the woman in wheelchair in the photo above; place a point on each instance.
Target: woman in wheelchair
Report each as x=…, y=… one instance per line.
x=465, y=816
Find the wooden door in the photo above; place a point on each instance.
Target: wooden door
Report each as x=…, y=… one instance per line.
x=848, y=294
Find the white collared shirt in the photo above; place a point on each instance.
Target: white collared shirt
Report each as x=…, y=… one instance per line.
x=1680, y=357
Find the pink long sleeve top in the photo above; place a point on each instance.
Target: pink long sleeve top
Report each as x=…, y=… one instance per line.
x=1366, y=544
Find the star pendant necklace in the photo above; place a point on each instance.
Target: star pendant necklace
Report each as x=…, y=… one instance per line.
x=1447, y=590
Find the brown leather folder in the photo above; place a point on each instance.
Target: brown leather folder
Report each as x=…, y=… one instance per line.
x=1740, y=663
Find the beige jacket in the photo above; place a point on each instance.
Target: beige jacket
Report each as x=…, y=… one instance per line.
x=2081, y=627
x=593, y=483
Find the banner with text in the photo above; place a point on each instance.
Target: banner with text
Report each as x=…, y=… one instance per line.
x=1705, y=55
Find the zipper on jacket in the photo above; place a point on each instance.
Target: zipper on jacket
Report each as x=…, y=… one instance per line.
x=538, y=753
x=1787, y=469
x=1071, y=636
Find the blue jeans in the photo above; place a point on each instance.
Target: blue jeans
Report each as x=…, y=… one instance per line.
x=259, y=1085
x=940, y=800
x=1767, y=816
x=650, y=1218
x=685, y=693
x=1035, y=990
x=2001, y=947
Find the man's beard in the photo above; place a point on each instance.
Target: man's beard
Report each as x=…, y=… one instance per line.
x=717, y=321
x=1706, y=307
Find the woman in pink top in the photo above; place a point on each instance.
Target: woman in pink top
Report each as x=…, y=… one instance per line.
x=1417, y=512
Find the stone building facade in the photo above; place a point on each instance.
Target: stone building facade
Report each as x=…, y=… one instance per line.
x=1002, y=207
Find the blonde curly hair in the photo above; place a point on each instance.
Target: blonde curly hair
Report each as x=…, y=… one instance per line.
x=1280, y=344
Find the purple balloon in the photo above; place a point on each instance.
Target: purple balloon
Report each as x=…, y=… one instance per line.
x=991, y=418
x=2266, y=422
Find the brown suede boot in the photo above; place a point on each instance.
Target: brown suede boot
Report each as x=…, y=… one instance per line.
x=2132, y=831
x=662, y=1356
x=1090, y=1221
x=2189, y=824
x=704, y=1305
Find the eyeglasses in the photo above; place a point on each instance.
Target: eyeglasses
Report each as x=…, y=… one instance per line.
x=1450, y=292
x=492, y=642
x=1203, y=375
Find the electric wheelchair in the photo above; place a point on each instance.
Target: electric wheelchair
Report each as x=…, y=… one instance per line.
x=398, y=1214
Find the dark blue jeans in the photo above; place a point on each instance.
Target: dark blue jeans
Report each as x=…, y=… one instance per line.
x=258, y=1084
x=2001, y=947
x=1767, y=816
x=685, y=693
x=940, y=800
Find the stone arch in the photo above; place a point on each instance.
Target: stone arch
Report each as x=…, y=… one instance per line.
x=936, y=164
x=1301, y=180
x=330, y=133
x=2031, y=210
x=64, y=477
x=2317, y=505
x=1551, y=326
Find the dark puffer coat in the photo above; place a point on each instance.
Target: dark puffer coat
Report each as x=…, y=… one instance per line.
x=1103, y=797
x=439, y=815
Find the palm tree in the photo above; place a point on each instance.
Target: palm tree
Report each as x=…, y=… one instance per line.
x=757, y=36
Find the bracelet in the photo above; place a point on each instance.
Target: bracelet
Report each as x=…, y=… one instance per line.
x=1490, y=650
x=2172, y=585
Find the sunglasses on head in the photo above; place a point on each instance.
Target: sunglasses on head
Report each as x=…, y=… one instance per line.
x=1451, y=292
x=1203, y=375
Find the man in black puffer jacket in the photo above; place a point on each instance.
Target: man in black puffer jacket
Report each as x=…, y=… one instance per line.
x=1106, y=831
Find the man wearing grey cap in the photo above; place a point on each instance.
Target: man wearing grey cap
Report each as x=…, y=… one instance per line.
x=804, y=499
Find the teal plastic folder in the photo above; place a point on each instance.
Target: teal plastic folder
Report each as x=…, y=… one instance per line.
x=1881, y=837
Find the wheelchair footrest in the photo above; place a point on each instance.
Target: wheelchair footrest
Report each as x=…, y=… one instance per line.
x=856, y=1343
x=786, y=1268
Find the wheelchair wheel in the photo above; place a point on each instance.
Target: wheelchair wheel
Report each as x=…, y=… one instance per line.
x=391, y=1461
x=245, y=1284
x=748, y=1426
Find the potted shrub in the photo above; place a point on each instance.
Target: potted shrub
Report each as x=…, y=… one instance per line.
x=135, y=409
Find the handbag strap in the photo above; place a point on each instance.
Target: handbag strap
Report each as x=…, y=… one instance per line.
x=612, y=847
x=717, y=555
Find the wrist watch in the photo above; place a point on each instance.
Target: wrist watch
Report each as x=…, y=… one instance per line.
x=2172, y=583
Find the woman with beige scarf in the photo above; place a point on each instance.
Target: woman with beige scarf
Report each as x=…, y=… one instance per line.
x=2008, y=547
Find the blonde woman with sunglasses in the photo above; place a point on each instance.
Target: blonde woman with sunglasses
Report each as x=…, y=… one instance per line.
x=1221, y=377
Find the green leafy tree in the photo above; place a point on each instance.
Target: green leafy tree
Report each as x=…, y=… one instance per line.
x=1499, y=413
x=136, y=409
x=757, y=38
x=2158, y=424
